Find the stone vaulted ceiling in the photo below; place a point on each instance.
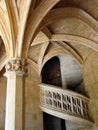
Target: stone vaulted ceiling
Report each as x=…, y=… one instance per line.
x=40, y=29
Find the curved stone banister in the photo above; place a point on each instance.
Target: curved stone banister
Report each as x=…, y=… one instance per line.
x=65, y=104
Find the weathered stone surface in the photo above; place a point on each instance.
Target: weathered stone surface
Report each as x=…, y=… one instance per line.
x=91, y=84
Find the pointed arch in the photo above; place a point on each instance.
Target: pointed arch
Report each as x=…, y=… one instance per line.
x=62, y=51
x=13, y=18
x=33, y=23
x=62, y=13
x=75, y=39
x=23, y=14
x=5, y=33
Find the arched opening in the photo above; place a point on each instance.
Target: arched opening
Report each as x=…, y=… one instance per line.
x=51, y=72
x=62, y=71
x=51, y=75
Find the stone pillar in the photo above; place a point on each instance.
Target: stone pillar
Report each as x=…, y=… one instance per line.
x=15, y=73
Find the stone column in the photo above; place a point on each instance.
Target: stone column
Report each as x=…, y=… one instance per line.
x=15, y=73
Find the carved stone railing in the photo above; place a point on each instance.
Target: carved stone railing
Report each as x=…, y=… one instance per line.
x=65, y=104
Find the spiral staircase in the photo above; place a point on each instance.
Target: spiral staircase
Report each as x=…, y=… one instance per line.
x=65, y=104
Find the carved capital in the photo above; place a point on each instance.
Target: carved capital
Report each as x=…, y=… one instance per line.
x=16, y=65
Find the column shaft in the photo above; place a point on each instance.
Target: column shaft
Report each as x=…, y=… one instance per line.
x=15, y=95
x=14, y=102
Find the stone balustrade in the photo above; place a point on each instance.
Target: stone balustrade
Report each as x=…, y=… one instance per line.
x=65, y=104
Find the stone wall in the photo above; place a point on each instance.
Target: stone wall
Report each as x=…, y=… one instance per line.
x=33, y=115
x=91, y=85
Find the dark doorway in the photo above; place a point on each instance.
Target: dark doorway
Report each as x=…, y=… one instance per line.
x=53, y=123
x=51, y=74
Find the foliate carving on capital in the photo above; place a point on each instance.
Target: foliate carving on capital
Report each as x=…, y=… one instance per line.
x=16, y=64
